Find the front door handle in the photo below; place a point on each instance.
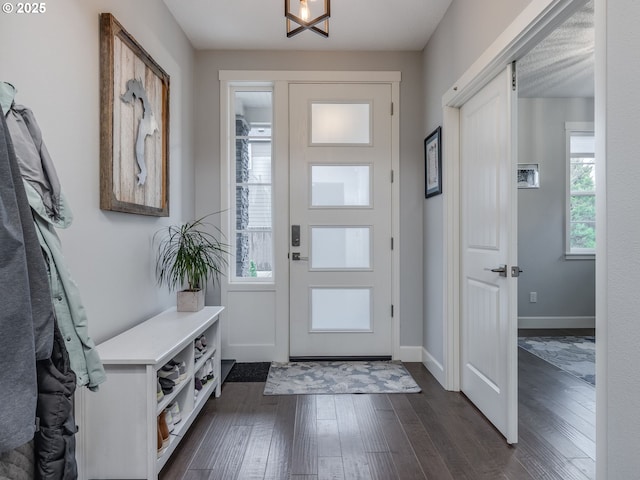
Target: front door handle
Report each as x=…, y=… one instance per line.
x=296, y=257
x=502, y=271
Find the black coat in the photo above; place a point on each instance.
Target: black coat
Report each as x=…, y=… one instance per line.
x=55, y=444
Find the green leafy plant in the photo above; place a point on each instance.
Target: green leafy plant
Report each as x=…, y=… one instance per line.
x=189, y=254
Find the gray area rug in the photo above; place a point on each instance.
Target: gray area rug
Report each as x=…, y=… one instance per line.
x=339, y=377
x=575, y=355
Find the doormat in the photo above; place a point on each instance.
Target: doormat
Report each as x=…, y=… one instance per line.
x=339, y=377
x=249, y=372
x=575, y=355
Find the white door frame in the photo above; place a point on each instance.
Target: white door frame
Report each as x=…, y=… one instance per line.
x=280, y=81
x=536, y=21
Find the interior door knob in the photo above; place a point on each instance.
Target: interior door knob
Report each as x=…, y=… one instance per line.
x=502, y=270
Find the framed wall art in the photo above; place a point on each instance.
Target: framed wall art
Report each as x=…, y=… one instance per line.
x=134, y=125
x=528, y=175
x=433, y=163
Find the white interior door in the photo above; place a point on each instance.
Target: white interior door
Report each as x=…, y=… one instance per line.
x=340, y=214
x=489, y=370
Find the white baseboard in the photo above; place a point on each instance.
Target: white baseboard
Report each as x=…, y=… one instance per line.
x=556, y=322
x=435, y=368
x=249, y=353
x=410, y=354
x=265, y=353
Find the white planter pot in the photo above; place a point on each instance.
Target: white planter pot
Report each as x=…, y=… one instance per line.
x=190, y=300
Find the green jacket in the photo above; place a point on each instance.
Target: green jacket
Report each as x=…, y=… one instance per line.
x=50, y=211
x=70, y=312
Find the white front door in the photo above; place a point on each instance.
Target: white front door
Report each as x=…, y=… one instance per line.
x=489, y=369
x=340, y=213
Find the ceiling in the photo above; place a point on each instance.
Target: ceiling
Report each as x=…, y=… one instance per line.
x=562, y=65
x=375, y=25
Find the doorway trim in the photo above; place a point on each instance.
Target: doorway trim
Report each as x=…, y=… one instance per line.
x=280, y=80
x=535, y=22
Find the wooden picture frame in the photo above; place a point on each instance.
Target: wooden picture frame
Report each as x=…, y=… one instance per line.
x=433, y=163
x=134, y=125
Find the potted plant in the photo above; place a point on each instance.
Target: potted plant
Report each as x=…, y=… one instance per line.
x=189, y=255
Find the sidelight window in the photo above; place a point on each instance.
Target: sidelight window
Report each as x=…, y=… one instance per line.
x=252, y=203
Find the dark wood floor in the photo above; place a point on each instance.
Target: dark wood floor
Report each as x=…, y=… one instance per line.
x=434, y=435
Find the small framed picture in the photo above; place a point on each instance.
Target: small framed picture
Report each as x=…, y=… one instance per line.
x=433, y=163
x=528, y=175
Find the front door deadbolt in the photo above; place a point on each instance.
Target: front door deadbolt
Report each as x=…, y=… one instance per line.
x=295, y=235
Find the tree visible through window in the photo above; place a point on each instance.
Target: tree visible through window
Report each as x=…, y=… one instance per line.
x=581, y=231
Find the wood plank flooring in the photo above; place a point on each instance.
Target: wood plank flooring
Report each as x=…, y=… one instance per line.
x=436, y=435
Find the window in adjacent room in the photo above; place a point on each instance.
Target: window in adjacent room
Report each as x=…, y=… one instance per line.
x=252, y=171
x=581, y=190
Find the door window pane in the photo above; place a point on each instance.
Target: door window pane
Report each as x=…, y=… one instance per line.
x=340, y=185
x=346, y=309
x=340, y=123
x=340, y=248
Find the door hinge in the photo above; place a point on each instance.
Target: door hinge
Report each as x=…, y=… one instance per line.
x=391, y=243
x=514, y=76
x=392, y=311
x=392, y=109
x=392, y=176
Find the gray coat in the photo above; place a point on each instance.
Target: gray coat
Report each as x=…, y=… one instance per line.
x=26, y=311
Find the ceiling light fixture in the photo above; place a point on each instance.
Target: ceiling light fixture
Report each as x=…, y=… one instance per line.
x=302, y=15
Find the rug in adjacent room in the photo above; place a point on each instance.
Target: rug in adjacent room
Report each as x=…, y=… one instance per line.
x=575, y=355
x=339, y=377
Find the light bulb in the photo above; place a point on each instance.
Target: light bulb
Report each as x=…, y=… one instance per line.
x=304, y=10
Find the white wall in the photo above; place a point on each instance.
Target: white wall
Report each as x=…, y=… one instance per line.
x=466, y=30
x=53, y=60
x=207, y=125
x=618, y=262
x=565, y=288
